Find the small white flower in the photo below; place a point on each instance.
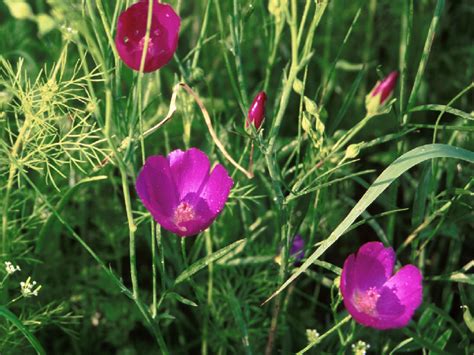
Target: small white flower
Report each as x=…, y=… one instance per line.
x=95, y=319
x=10, y=268
x=312, y=335
x=28, y=288
x=360, y=348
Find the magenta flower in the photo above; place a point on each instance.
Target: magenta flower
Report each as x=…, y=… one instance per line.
x=381, y=92
x=181, y=193
x=372, y=295
x=131, y=31
x=257, y=111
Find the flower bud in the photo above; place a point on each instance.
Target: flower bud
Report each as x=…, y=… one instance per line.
x=257, y=111
x=381, y=93
x=353, y=150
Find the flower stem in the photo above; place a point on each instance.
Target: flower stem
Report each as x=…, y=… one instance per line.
x=329, y=332
x=11, y=176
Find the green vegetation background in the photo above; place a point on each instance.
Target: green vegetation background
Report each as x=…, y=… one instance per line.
x=426, y=216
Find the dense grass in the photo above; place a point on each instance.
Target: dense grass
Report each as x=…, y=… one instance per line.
x=74, y=130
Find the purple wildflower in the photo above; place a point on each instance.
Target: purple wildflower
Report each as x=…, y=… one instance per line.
x=131, y=32
x=296, y=250
x=257, y=111
x=381, y=92
x=181, y=193
x=372, y=295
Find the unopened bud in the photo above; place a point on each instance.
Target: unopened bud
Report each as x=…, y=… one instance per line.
x=257, y=111
x=380, y=94
x=353, y=150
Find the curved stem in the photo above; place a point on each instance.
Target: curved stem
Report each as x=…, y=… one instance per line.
x=207, y=119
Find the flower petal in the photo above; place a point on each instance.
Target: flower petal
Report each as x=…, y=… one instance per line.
x=359, y=317
x=373, y=265
x=216, y=190
x=348, y=278
x=297, y=248
x=156, y=189
x=203, y=217
x=189, y=170
x=406, y=285
x=170, y=20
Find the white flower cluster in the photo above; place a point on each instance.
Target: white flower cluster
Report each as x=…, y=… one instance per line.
x=360, y=348
x=312, y=335
x=28, y=288
x=10, y=268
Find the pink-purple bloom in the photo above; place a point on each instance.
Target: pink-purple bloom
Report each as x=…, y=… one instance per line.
x=297, y=248
x=257, y=111
x=385, y=87
x=372, y=295
x=181, y=193
x=296, y=251
x=131, y=32
x=382, y=91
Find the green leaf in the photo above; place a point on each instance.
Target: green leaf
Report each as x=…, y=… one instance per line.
x=181, y=299
x=443, y=339
x=5, y=313
x=202, y=263
x=468, y=319
x=389, y=175
x=443, y=108
x=456, y=277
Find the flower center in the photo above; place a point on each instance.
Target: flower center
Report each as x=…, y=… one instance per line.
x=142, y=42
x=366, y=302
x=182, y=214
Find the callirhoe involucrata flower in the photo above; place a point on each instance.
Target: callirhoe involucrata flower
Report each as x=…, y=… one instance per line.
x=256, y=112
x=181, y=193
x=372, y=295
x=381, y=93
x=131, y=35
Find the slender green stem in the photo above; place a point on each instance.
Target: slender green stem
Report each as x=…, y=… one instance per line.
x=11, y=176
x=126, y=191
x=210, y=280
x=233, y=82
x=161, y=256
x=205, y=21
x=347, y=137
x=325, y=335
x=424, y=57
x=153, y=269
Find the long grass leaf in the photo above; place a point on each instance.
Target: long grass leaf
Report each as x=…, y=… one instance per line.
x=389, y=175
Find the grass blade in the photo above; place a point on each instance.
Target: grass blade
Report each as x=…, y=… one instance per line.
x=389, y=175
x=5, y=313
x=202, y=263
